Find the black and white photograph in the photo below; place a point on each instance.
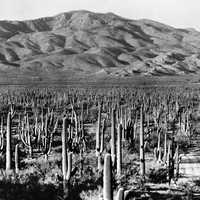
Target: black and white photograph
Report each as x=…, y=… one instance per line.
x=99, y=100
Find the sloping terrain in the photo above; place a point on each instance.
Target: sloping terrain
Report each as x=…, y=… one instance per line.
x=82, y=43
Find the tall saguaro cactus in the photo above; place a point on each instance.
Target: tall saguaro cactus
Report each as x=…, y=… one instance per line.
x=107, y=178
x=17, y=158
x=113, y=149
x=98, y=140
x=142, y=155
x=176, y=162
x=1, y=136
x=169, y=157
x=102, y=136
x=119, y=151
x=8, y=143
x=66, y=157
x=66, y=161
x=64, y=148
x=165, y=148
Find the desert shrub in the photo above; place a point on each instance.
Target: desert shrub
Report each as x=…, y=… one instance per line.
x=158, y=175
x=92, y=116
x=91, y=194
x=184, y=143
x=195, y=185
x=25, y=186
x=132, y=146
x=197, y=182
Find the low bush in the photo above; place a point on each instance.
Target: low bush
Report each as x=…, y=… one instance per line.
x=158, y=175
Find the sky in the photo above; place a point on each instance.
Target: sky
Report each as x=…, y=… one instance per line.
x=177, y=13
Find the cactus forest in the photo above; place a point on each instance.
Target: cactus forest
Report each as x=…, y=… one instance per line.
x=112, y=143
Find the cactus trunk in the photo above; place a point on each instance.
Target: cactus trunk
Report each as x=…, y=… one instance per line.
x=69, y=166
x=8, y=143
x=142, y=155
x=119, y=151
x=102, y=136
x=98, y=131
x=17, y=158
x=107, y=178
x=120, y=194
x=113, y=150
x=64, y=149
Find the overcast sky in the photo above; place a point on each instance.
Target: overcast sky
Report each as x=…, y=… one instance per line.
x=178, y=13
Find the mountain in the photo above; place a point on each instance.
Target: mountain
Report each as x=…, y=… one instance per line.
x=86, y=44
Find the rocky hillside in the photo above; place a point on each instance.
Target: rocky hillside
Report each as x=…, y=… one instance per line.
x=85, y=43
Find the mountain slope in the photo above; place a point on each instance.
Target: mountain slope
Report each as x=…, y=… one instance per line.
x=82, y=43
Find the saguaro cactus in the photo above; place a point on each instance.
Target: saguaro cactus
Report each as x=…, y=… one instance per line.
x=120, y=194
x=8, y=143
x=165, y=148
x=102, y=136
x=142, y=155
x=82, y=120
x=25, y=135
x=98, y=131
x=66, y=157
x=159, y=146
x=66, y=161
x=168, y=154
x=64, y=148
x=17, y=158
x=176, y=162
x=69, y=166
x=119, y=151
x=113, y=149
x=107, y=178
x=170, y=160
x=1, y=136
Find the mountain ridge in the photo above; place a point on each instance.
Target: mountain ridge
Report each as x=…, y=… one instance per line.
x=83, y=43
